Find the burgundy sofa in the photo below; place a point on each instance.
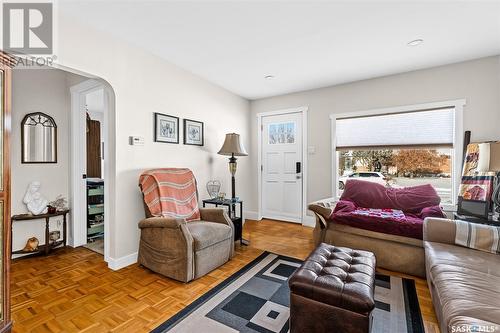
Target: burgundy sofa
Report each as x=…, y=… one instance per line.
x=416, y=203
x=395, y=239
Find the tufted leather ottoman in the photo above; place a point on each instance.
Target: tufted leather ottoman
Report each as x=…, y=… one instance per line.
x=333, y=291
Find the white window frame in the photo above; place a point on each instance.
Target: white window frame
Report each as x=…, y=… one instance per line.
x=457, y=151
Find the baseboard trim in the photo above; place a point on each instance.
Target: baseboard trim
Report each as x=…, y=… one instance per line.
x=309, y=221
x=251, y=215
x=119, y=263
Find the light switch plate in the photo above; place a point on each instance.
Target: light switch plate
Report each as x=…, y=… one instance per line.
x=136, y=140
x=311, y=150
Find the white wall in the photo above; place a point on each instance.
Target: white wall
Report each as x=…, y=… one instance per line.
x=477, y=81
x=47, y=91
x=144, y=84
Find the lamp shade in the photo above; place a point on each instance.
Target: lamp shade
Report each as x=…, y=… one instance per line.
x=233, y=146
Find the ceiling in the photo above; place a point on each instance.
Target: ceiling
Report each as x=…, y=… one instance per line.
x=303, y=44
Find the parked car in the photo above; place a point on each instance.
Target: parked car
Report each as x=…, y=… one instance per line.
x=369, y=176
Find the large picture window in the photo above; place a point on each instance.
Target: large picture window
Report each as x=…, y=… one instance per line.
x=399, y=168
x=398, y=148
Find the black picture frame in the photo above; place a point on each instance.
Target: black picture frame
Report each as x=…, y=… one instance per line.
x=190, y=140
x=159, y=119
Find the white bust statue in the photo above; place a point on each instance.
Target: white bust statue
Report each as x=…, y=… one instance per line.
x=36, y=203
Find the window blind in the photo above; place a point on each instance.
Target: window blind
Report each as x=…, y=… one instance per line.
x=418, y=128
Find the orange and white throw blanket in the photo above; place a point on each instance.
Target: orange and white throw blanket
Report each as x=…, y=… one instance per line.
x=170, y=192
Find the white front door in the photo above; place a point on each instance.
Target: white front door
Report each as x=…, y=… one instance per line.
x=282, y=167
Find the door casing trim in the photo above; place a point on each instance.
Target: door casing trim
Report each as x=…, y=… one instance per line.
x=303, y=110
x=78, y=233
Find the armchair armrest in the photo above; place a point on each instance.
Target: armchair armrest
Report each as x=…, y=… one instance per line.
x=218, y=215
x=322, y=209
x=439, y=230
x=161, y=222
x=166, y=247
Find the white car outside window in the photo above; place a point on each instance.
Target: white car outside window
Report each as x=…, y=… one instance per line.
x=369, y=176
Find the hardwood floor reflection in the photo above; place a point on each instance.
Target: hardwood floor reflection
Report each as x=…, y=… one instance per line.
x=74, y=291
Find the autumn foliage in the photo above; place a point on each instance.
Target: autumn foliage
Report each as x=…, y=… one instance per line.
x=418, y=161
x=407, y=162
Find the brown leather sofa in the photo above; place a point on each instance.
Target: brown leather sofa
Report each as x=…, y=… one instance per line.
x=464, y=283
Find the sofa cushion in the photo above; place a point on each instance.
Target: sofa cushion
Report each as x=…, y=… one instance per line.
x=410, y=225
x=206, y=234
x=466, y=284
x=432, y=211
x=438, y=254
x=478, y=236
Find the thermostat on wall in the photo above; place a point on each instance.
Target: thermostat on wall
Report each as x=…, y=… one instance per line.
x=136, y=141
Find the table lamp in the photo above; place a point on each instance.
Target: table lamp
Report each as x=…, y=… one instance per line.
x=232, y=147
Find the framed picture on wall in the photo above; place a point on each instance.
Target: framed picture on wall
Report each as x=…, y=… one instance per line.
x=193, y=132
x=166, y=128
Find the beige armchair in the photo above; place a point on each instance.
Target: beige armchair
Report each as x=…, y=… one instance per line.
x=186, y=250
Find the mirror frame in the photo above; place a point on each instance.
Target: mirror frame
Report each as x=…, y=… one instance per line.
x=22, y=138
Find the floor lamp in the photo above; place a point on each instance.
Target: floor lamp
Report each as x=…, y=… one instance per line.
x=232, y=147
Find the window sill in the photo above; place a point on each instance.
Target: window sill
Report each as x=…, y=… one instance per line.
x=449, y=208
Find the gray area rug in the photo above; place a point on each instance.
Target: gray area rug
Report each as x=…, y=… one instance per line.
x=256, y=299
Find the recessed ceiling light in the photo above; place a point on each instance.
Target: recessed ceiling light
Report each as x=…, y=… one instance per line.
x=415, y=42
x=269, y=77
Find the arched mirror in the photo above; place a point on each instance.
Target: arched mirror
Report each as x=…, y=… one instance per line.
x=39, y=138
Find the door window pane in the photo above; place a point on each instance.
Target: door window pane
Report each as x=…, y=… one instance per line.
x=281, y=133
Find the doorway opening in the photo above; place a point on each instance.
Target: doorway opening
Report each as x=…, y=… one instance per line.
x=94, y=112
x=90, y=162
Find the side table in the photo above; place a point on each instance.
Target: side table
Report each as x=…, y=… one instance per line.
x=237, y=220
x=47, y=247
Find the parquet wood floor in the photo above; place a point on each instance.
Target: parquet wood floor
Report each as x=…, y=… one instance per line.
x=74, y=291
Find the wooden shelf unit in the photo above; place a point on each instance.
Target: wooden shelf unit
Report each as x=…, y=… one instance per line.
x=95, y=208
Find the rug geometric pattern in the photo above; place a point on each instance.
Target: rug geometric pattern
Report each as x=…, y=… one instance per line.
x=262, y=303
x=257, y=301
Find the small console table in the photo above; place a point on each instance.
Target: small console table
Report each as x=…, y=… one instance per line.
x=237, y=220
x=47, y=247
